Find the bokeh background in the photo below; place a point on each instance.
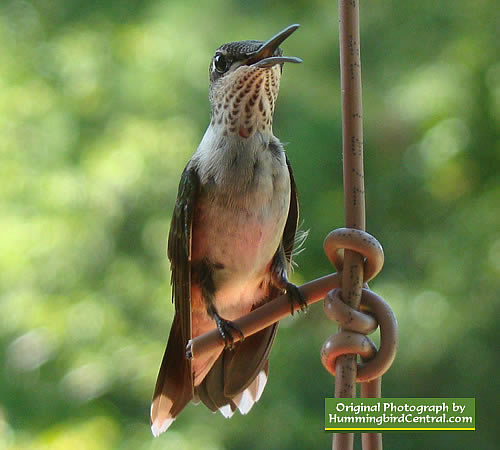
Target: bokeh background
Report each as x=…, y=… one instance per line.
x=101, y=105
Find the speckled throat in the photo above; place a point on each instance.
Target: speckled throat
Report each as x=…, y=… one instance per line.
x=243, y=101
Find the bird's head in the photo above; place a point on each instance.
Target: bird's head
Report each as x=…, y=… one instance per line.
x=244, y=84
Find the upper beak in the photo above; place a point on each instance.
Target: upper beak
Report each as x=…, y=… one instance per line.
x=263, y=57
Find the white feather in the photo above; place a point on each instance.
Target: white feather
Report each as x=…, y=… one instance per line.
x=157, y=428
x=246, y=402
x=226, y=411
x=262, y=380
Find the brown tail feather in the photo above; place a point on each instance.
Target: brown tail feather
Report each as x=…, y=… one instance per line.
x=174, y=388
x=242, y=365
x=238, y=376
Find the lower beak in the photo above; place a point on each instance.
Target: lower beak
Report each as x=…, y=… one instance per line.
x=263, y=57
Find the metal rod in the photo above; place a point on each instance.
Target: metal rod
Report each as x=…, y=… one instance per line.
x=354, y=200
x=371, y=389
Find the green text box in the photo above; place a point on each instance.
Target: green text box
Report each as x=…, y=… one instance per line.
x=399, y=414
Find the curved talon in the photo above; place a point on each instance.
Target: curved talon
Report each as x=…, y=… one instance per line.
x=226, y=328
x=295, y=296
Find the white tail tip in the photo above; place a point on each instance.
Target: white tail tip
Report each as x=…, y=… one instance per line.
x=226, y=411
x=158, y=427
x=246, y=402
x=262, y=380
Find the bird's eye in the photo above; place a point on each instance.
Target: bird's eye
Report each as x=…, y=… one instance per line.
x=220, y=63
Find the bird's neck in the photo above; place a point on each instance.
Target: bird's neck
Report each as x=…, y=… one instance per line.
x=243, y=102
x=229, y=161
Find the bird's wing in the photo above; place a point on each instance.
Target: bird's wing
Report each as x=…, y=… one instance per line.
x=179, y=248
x=289, y=234
x=174, y=386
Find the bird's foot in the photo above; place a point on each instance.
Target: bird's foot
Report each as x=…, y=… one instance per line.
x=226, y=329
x=295, y=297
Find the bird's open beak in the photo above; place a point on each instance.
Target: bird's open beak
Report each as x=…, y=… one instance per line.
x=263, y=57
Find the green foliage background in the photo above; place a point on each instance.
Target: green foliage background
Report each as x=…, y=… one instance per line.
x=101, y=105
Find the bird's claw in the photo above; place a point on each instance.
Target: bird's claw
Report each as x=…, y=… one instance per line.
x=226, y=329
x=295, y=296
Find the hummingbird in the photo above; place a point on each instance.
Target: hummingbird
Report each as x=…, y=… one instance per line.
x=231, y=238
